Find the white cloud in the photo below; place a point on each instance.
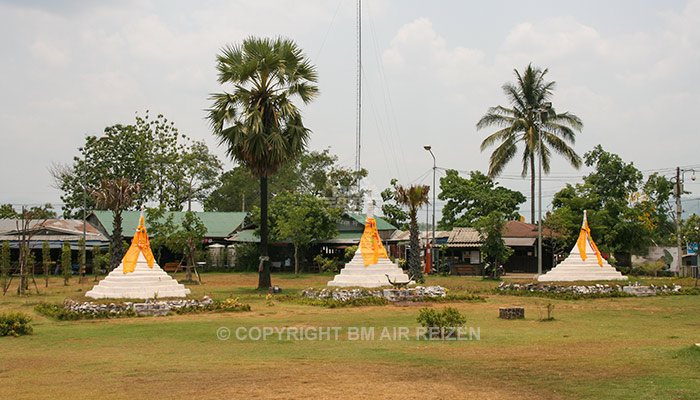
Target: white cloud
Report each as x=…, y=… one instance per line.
x=419, y=48
x=49, y=53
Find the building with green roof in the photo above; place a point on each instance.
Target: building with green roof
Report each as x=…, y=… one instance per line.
x=220, y=225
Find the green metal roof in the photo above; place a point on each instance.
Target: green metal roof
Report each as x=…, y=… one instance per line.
x=245, y=236
x=218, y=224
x=382, y=224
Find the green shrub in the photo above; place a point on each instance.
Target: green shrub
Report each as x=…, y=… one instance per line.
x=326, y=264
x=442, y=324
x=350, y=253
x=15, y=324
x=247, y=257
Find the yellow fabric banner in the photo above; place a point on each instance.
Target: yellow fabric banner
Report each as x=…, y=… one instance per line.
x=139, y=244
x=371, y=245
x=585, y=238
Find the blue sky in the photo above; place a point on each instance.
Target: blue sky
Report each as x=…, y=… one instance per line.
x=431, y=69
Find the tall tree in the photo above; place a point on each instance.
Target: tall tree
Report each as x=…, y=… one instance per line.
x=493, y=249
x=315, y=172
x=46, y=261
x=474, y=197
x=170, y=168
x=413, y=198
x=391, y=209
x=301, y=218
x=529, y=121
x=625, y=214
x=115, y=195
x=258, y=123
x=66, y=263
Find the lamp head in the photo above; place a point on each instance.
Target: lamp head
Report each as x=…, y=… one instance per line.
x=427, y=147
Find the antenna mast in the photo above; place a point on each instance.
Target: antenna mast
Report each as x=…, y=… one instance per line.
x=358, y=122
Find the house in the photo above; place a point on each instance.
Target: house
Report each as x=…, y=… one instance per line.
x=464, y=248
x=55, y=232
x=350, y=229
x=398, y=244
x=220, y=225
x=522, y=238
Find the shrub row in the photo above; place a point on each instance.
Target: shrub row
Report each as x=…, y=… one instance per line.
x=331, y=303
x=228, y=305
x=561, y=296
x=454, y=297
x=59, y=312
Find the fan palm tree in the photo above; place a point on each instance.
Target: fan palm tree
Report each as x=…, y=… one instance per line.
x=115, y=195
x=413, y=198
x=530, y=119
x=257, y=122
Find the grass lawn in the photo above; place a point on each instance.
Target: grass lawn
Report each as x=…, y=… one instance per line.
x=617, y=348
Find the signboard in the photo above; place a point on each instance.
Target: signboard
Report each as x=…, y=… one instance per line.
x=692, y=248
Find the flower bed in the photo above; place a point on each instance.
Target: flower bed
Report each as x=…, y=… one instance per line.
x=74, y=310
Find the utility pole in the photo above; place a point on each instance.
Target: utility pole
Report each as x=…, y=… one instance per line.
x=678, y=190
x=543, y=111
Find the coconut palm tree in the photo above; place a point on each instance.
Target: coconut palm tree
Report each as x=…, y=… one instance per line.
x=257, y=122
x=115, y=195
x=413, y=197
x=530, y=119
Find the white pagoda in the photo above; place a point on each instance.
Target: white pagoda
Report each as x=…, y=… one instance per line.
x=370, y=267
x=584, y=263
x=138, y=276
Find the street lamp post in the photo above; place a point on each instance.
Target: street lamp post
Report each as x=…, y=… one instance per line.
x=678, y=191
x=432, y=242
x=543, y=113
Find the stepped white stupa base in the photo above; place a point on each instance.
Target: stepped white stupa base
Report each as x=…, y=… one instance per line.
x=144, y=283
x=574, y=268
x=356, y=274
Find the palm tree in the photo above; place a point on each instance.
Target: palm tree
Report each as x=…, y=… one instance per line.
x=413, y=198
x=257, y=122
x=530, y=118
x=116, y=195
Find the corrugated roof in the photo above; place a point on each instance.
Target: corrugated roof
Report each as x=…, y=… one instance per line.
x=245, y=236
x=525, y=230
x=464, y=237
x=400, y=236
x=517, y=241
x=52, y=230
x=382, y=224
x=218, y=224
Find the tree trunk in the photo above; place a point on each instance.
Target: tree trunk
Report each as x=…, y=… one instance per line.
x=414, y=270
x=116, y=255
x=264, y=281
x=296, y=259
x=532, y=187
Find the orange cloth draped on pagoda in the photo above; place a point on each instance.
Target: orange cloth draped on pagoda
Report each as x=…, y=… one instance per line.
x=139, y=244
x=371, y=245
x=584, y=238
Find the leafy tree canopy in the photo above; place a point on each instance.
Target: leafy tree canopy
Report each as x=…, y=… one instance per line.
x=313, y=172
x=490, y=228
x=170, y=168
x=625, y=214
x=300, y=218
x=474, y=197
x=392, y=210
x=7, y=211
